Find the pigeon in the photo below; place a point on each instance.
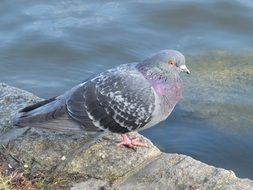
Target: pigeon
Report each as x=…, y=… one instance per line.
x=129, y=97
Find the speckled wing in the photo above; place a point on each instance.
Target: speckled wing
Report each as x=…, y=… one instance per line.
x=120, y=100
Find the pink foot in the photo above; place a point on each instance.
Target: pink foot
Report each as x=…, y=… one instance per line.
x=131, y=143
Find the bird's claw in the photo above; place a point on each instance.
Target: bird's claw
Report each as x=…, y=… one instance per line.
x=131, y=143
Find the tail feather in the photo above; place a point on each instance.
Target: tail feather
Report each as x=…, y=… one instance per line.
x=39, y=112
x=47, y=114
x=36, y=105
x=63, y=123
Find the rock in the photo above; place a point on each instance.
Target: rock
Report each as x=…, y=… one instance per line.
x=42, y=150
x=11, y=100
x=91, y=184
x=174, y=171
x=65, y=163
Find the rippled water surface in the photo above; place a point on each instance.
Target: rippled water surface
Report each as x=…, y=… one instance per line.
x=50, y=46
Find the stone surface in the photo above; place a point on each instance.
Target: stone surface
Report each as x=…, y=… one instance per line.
x=105, y=161
x=174, y=171
x=91, y=184
x=66, y=164
x=11, y=100
x=43, y=150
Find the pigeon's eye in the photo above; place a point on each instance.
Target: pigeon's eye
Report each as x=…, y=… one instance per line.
x=171, y=62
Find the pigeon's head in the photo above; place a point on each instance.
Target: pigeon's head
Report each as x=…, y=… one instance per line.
x=167, y=60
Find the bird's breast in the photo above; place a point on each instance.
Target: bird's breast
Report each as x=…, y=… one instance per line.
x=172, y=91
x=167, y=96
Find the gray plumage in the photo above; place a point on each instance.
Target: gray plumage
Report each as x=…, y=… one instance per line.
x=129, y=97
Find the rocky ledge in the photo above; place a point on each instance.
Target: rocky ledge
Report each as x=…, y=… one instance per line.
x=40, y=159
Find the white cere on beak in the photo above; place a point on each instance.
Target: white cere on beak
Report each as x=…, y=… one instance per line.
x=184, y=69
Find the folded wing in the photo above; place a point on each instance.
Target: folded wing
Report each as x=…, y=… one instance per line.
x=118, y=100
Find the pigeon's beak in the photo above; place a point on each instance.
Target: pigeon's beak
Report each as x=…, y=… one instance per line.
x=183, y=68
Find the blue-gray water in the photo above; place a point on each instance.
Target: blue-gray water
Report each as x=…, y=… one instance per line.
x=48, y=47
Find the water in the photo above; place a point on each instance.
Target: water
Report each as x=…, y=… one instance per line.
x=48, y=47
